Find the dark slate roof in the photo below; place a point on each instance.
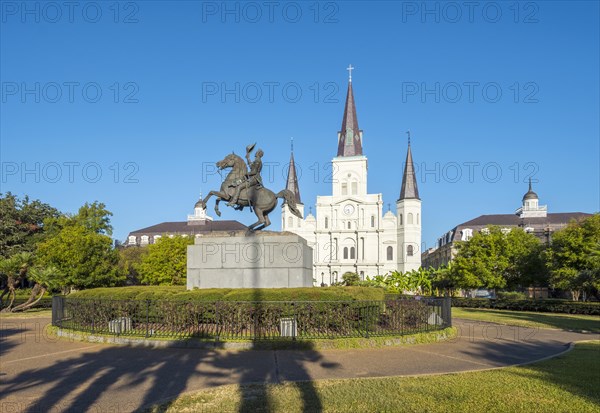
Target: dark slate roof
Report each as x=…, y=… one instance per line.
x=292, y=180
x=184, y=227
x=349, y=143
x=554, y=221
x=409, y=187
x=512, y=219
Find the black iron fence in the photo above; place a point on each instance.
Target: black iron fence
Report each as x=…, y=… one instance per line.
x=261, y=320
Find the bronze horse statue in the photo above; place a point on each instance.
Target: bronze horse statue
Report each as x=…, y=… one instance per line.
x=259, y=198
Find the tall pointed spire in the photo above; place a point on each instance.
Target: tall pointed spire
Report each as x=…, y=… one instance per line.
x=349, y=143
x=292, y=178
x=409, y=181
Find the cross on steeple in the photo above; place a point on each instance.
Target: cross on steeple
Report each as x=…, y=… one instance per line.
x=292, y=143
x=408, y=133
x=350, y=69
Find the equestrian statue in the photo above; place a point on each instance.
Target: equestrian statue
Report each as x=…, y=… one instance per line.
x=243, y=187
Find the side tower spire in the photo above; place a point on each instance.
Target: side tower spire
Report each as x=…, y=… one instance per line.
x=408, y=215
x=350, y=136
x=409, y=187
x=292, y=178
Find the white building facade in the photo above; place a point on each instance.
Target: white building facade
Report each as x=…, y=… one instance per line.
x=351, y=232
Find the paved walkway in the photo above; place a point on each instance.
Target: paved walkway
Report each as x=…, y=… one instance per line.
x=42, y=374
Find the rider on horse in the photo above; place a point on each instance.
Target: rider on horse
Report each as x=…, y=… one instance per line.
x=252, y=178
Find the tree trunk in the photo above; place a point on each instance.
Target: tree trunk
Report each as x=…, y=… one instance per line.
x=32, y=297
x=37, y=289
x=575, y=294
x=11, y=284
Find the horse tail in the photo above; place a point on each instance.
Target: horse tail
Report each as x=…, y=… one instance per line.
x=290, y=200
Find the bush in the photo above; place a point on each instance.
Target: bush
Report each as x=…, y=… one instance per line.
x=544, y=306
x=511, y=295
x=226, y=294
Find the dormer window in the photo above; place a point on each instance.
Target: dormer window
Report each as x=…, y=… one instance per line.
x=467, y=234
x=132, y=240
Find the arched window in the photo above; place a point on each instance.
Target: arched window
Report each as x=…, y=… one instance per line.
x=352, y=253
x=400, y=219
x=290, y=222
x=372, y=221
x=349, y=225
x=390, y=253
x=144, y=239
x=354, y=188
x=345, y=253
x=344, y=188
x=418, y=218
x=132, y=240
x=409, y=251
x=362, y=275
x=326, y=222
x=409, y=218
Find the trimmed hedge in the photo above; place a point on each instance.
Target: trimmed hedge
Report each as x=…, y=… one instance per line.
x=544, y=306
x=227, y=294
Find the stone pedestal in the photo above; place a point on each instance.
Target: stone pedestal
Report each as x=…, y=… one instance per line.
x=249, y=260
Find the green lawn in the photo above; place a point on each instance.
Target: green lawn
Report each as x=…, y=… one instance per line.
x=568, y=383
x=31, y=313
x=574, y=322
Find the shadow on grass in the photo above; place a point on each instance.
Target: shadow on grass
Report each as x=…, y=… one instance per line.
x=559, y=321
x=577, y=371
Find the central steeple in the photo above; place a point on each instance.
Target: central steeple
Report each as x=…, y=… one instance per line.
x=350, y=136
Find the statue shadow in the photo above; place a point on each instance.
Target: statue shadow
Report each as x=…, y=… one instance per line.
x=104, y=377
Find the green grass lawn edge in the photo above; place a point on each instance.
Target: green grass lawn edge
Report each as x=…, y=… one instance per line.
x=569, y=322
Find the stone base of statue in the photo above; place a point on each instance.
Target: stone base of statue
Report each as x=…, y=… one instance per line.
x=239, y=259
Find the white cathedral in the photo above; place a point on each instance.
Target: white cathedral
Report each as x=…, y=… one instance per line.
x=350, y=232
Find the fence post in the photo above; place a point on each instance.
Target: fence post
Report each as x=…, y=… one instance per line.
x=447, y=306
x=367, y=321
x=147, y=317
x=217, y=322
x=57, y=310
x=93, y=314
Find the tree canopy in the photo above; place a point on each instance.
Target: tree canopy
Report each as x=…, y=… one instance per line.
x=497, y=259
x=22, y=223
x=165, y=263
x=574, y=257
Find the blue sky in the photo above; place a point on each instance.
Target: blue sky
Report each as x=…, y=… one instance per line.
x=130, y=103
